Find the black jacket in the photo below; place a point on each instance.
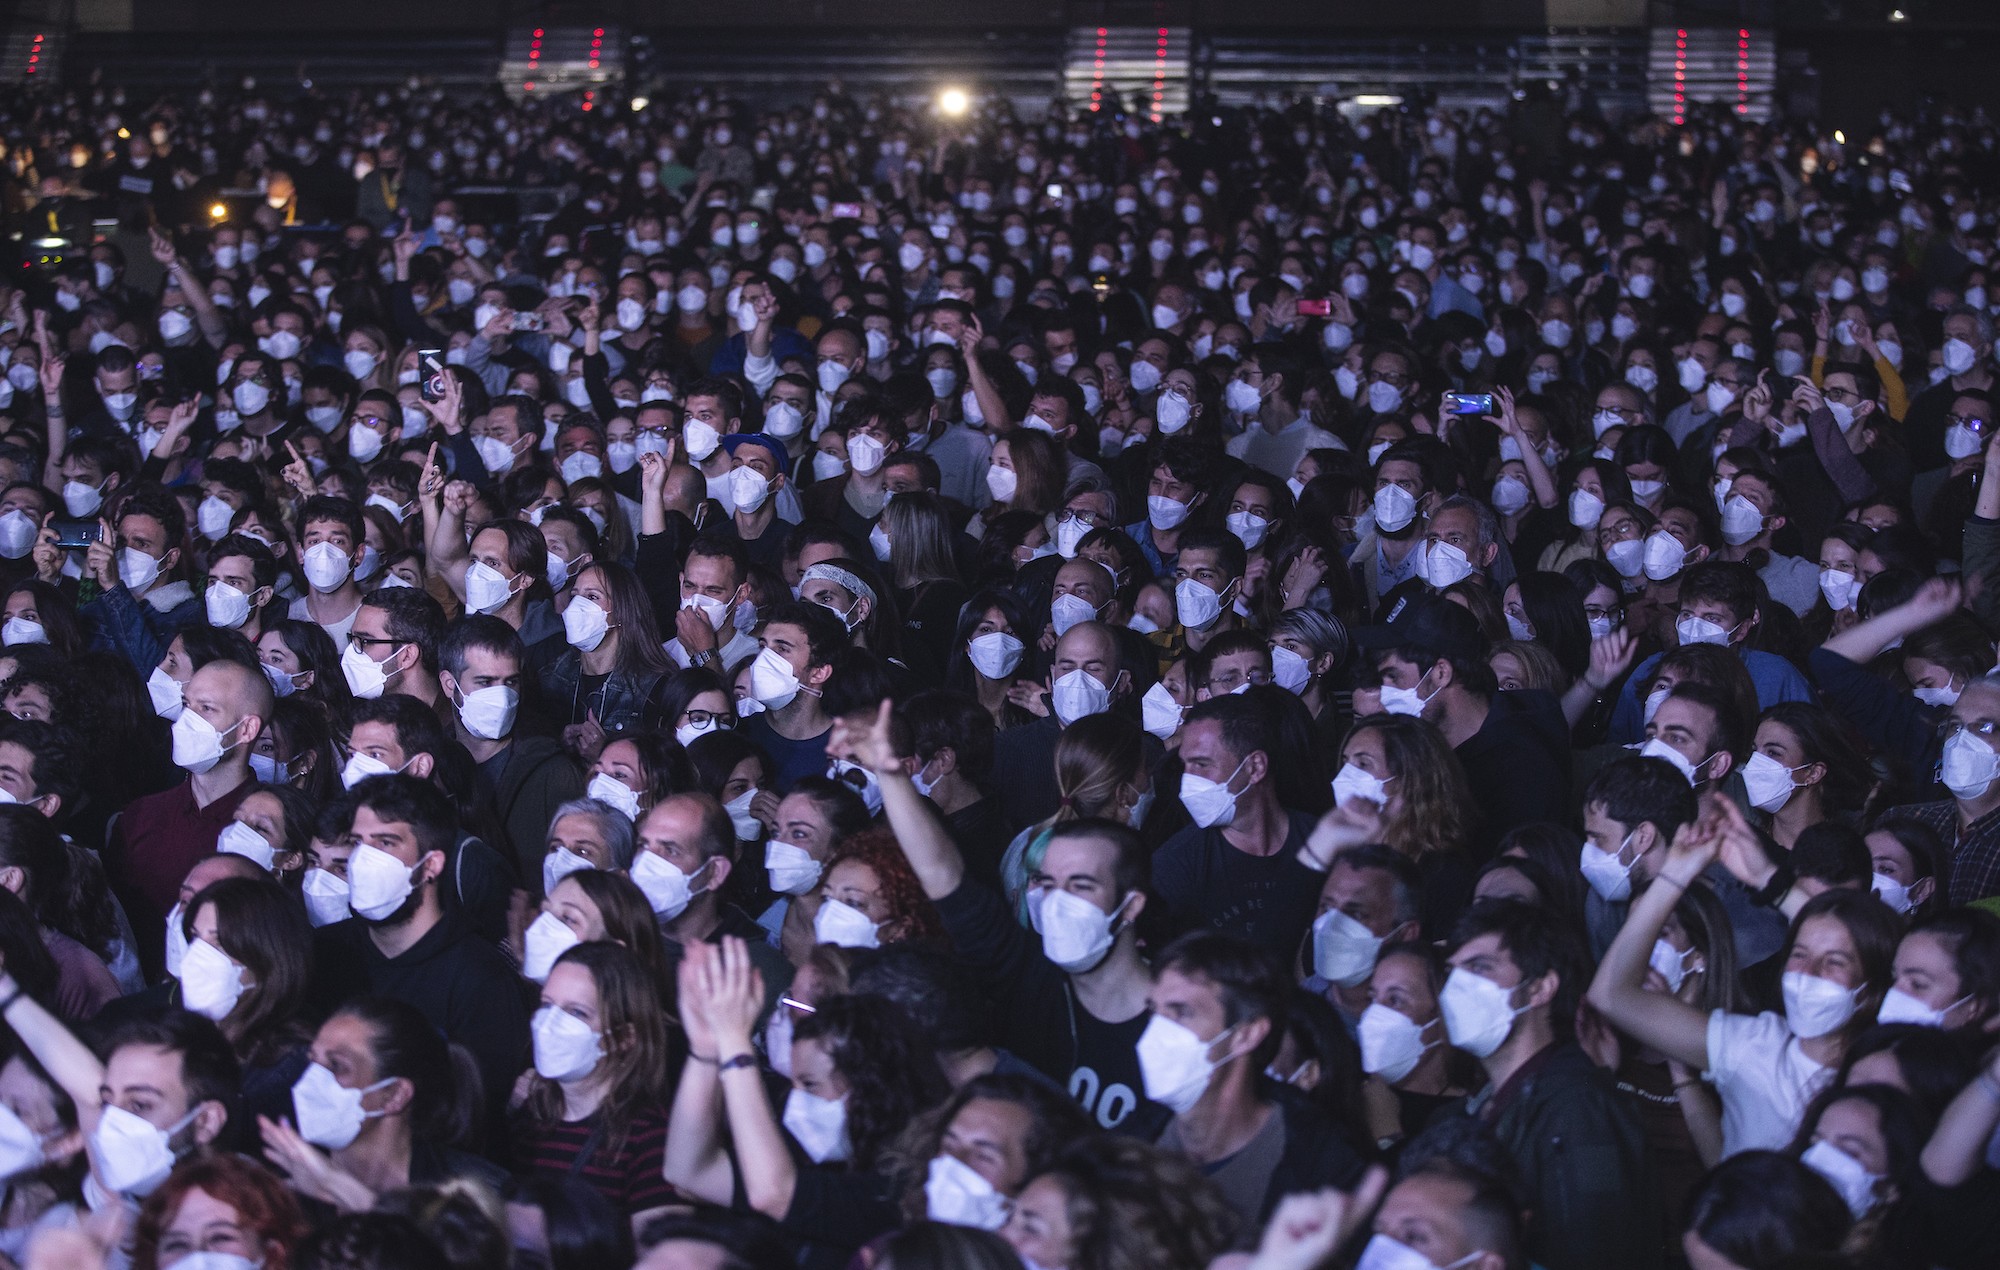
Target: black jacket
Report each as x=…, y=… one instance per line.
x=1582, y=1158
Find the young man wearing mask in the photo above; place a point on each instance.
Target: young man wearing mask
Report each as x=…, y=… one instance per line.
x=330, y=534
x=1405, y=492
x=1718, y=605
x=854, y=500
x=1582, y=1155
x=140, y=606
x=1514, y=745
x=1085, y=678
x=751, y=492
x=1208, y=580
x=951, y=761
x=160, y=836
x=1071, y=988
x=1176, y=487
x=522, y=778
x=1447, y=1215
x=1752, y=515
x=1631, y=811
x=788, y=679
x=162, y=1090
x=1282, y=432
x=1218, y=1007
x=1235, y=869
x=242, y=586
x=715, y=580
x=404, y=942
x=392, y=645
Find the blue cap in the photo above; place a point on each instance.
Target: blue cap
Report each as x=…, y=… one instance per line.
x=736, y=440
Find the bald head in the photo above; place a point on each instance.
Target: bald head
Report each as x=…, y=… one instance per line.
x=227, y=693
x=842, y=346
x=686, y=487
x=1093, y=649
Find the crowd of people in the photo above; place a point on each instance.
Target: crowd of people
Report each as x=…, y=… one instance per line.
x=1283, y=689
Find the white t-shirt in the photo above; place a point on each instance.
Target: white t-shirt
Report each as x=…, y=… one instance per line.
x=1764, y=1077
x=336, y=631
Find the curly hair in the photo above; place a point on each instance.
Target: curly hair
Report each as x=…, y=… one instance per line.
x=1436, y=808
x=891, y=1071
x=1133, y=1206
x=265, y=1208
x=910, y=909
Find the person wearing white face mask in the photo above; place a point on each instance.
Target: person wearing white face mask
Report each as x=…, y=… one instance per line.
x=1431, y=660
x=162, y=1090
x=1230, y=754
x=1441, y=1217
x=331, y=536
x=1217, y=1006
x=1966, y=363
x=1514, y=968
x=1090, y=880
x=139, y=594
x=1392, y=553
x=595, y=1105
x=1942, y=978
x=754, y=484
x=1765, y=1067
x=1176, y=487
x=404, y=943
x=1085, y=678
x=851, y=1090
x=1208, y=578
x=714, y=581
x=1282, y=432
x=480, y=674
x=161, y=835
x=380, y=1106
x=1368, y=901
x=496, y=570
x=1717, y=605
x=1751, y=517
x=242, y=585
x=788, y=677
x=684, y=851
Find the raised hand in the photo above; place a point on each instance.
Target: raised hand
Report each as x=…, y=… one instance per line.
x=1354, y=823
x=1307, y=1228
x=1610, y=657
x=1506, y=420
x=298, y=473
x=100, y=561
x=864, y=738
x=51, y=375
x=734, y=996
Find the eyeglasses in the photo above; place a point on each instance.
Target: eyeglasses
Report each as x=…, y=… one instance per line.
x=1973, y=422
x=362, y=642
x=1840, y=394
x=704, y=718
x=1978, y=727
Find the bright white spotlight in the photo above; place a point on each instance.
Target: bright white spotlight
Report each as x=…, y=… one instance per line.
x=954, y=102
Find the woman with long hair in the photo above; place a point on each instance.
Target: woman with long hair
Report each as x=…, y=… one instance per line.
x=1838, y=964
x=1414, y=780
x=299, y=659
x=1804, y=768
x=248, y=961
x=924, y=574
x=387, y=1103
x=36, y=612
x=1032, y=478
x=63, y=887
x=990, y=653
x=612, y=673
x=859, y=1074
x=594, y=1104
x=635, y=770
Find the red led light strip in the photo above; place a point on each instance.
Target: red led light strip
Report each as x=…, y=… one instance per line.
x=1159, y=74
x=534, y=58
x=1742, y=71
x=1097, y=72
x=35, y=55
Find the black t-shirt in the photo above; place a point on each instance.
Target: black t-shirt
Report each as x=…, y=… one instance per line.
x=1208, y=884
x=1039, y=1017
